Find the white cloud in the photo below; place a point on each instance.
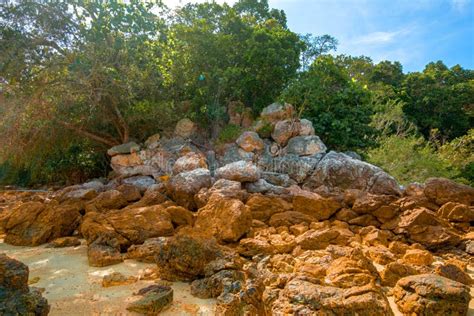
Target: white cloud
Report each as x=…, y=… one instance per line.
x=380, y=38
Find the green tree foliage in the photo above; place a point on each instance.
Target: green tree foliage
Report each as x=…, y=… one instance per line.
x=338, y=106
x=440, y=98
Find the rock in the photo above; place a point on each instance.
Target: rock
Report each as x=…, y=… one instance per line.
x=153, y=195
x=155, y=299
x=185, y=128
x=213, y=286
x=289, y=218
x=250, y=142
x=180, y=216
x=314, y=205
x=306, y=128
x=131, y=165
x=127, y=148
x=103, y=255
x=300, y=297
x=305, y=146
x=262, y=186
x=297, y=168
x=380, y=255
x=189, y=162
x=108, y=200
x=188, y=256
x=117, y=278
x=441, y=191
x=224, y=188
x=184, y=186
x=152, y=142
x=284, y=130
x=279, y=179
x=147, y=251
x=16, y=298
x=233, y=153
x=276, y=112
x=355, y=270
x=79, y=194
x=35, y=223
x=454, y=272
x=346, y=215
x=263, y=207
x=367, y=203
x=130, y=192
x=456, y=212
x=394, y=271
x=65, y=242
x=141, y=182
x=418, y=257
x=337, y=171
x=317, y=239
x=242, y=171
x=127, y=227
x=226, y=219
x=430, y=294
x=422, y=226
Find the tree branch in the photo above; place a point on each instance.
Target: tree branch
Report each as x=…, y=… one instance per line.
x=101, y=139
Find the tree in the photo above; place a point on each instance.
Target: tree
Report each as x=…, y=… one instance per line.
x=440, y=99
x=316, y=46
x=338, y=106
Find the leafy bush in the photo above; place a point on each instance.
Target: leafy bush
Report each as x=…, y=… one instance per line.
x=410, y=159
x=229, y=134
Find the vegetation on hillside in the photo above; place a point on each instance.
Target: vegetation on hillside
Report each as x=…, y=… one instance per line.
x=78, y=77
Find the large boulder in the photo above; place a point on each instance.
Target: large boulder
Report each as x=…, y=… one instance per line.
x=182, y=187
x=189, y=162
x=262, y=207
x=284, y=131
x=185, y=128
x=441, y=191
x=242, y=171
x=226, y=219
x=338, y=172
x=314, y=205
x=456, y=212
x=108, y=200
x=305, y=146
x=127, y=227
x=16, y=298
x=276, y=112
x=35, y=223
x=297, y=168
x=430, y=294
x=250, y=141
x=141, y=182
x=301, y=297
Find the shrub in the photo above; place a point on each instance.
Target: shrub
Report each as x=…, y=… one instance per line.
x=229, y=134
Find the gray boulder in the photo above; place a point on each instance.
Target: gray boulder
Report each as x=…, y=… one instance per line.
x=297, y=168
x=141, y=182
x=337, y=172
x=242, y=171
x=122, y=149
x=185, y=185
x=305, y=146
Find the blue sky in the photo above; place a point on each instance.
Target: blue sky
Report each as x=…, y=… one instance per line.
x=413, y=32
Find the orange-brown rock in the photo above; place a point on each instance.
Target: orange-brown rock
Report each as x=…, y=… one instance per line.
x=430, y=294
x=456, y=212
x=262, y=207
x=394, y=271
x=289, y=218
x=380, y=255
x=189, y=162
x=35, y=223
x=314, y=205
x=355, y=270
x=226, y=219
x=442, y=191
x=317, y=239
x=117, y=278
x=180, y=216
x=454, y=272
x=418, y=257
x=130, y=192
x=108, y=200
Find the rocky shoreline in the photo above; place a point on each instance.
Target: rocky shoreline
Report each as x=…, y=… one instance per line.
x=271, y=224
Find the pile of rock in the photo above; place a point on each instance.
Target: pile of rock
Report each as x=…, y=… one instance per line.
x=273, y=225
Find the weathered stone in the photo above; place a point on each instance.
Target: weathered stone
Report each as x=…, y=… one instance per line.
x=155, y=299
x=226, y=219
x=337, y=171
x=262, y=186
x=213, y=286
x=108, y=200
x=62, y=242
x=430, y=294
x=276, y=112
x=147, y=251
x=102, y=255
x=314, y=205
x=454, y=272
x=126, y=148
x=456, y=212
x=189, y=162
x=301, y=297
x=279, y=179
x=355, y=270
x=442, y=191
x=130, y=192
x=180, y=216
x=263, y=207
x=117, y=278
x=233, y=153
x=242, y=171
x=418, y=257
x=185, y=185
x=35, y=223
x=380, y=255
x=394, y=271
x=250, y=141
x=284, y=130
x=306, y=128
x=289, y=218
x=152, y=142
x=305, y=146
x=298, y=168
x=141, y=182
x=16, y=298
x=317, y=239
